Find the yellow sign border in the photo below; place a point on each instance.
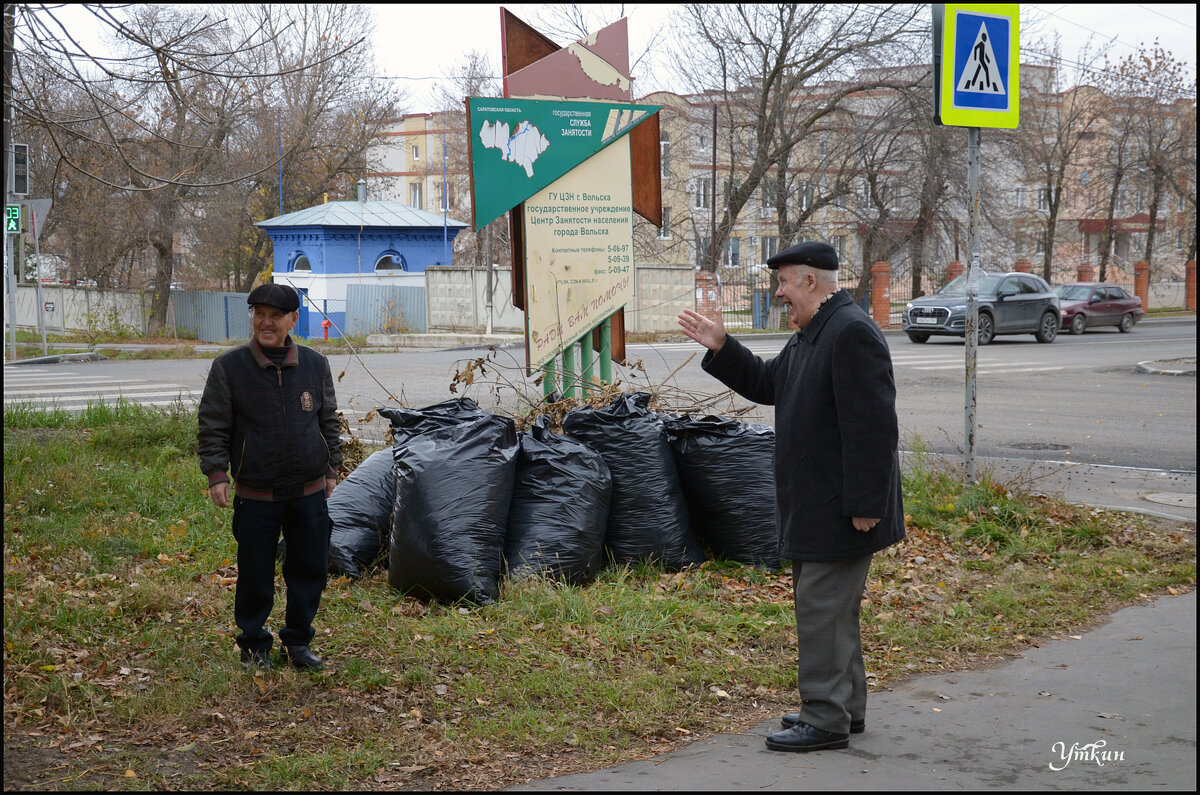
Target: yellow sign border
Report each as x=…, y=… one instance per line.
x=957, y=117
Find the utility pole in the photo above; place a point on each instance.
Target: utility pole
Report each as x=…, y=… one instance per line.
x=10, y=285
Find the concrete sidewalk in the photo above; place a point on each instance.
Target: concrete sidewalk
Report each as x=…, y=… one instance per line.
x=1129, y=683
x=1111, y=708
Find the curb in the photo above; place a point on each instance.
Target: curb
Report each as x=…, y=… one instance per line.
x=58, y=358
x=1153, y=368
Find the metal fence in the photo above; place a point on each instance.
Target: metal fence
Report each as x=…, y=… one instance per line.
x=217, y=317
x=744, y=293
x=385, y=309
x=210, y=316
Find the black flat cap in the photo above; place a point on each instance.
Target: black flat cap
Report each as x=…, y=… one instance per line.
x=816, y=255
x=280, y=296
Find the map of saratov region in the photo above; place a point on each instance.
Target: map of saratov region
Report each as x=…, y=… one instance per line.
x=522, y=147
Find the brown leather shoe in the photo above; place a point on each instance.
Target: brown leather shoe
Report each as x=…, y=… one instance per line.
x=792, y=718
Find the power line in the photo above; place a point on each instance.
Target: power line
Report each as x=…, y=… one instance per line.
x=1164, y=16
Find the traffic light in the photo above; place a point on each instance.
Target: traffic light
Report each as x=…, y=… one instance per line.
x=20, y=170
x=12, y=219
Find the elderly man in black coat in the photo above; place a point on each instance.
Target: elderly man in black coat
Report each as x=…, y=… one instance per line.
x=837, y=476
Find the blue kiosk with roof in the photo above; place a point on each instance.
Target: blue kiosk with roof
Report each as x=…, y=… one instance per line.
x=322, y=250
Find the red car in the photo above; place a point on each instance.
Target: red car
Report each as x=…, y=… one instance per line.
x=1089, y=304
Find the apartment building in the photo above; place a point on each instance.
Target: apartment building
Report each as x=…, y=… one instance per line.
x=861, y=179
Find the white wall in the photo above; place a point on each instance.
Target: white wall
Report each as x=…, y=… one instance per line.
x=77, y=308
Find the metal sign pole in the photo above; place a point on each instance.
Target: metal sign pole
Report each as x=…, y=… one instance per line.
x=10, y=290
x=37, y=254
x=973, y=273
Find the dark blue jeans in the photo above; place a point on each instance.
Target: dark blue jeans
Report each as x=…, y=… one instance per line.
x=256, y=526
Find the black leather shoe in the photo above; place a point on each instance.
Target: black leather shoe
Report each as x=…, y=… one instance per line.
x=792, y=718
x=805, y=737
x=256, y=659
x=302, y=658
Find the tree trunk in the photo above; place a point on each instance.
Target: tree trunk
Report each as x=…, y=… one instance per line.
x=1106, y=239
x=163, y=241
x=1155, y=198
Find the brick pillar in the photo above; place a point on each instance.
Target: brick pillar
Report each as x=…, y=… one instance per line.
x=1085, y=272
x=953, y=271
x=1141, y=282
x=881, y=293
x=1189, y=285
x=1023, y=265
x=706, y=293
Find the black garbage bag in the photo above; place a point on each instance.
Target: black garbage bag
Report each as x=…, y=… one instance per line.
x=360, y=516
x=648, y=514
x=727, y=469
x=559, y=510
x=410, y=422
x=454, y=484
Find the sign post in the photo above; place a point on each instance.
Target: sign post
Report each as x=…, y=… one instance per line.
x=976, y=57
x=568, y=165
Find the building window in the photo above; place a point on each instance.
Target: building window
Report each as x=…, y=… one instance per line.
x=664, y=231
x=839, y=243
x=1020, y=198
x=414, y=196
x=416, y=153
x=391, y=261
x=301, y=263
x=735, y=251
x=768, y=196
x=445, y=196
x=1043, y=199
x=664, y=154
x=704, y=188
x=769, y=246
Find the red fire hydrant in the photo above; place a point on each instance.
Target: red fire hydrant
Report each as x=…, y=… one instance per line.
x=325, y=324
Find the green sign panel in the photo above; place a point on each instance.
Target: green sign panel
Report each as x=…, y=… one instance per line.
x=519, y=146
x=12, y=218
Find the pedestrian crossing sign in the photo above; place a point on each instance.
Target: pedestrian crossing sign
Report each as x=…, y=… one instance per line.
x=977, y=65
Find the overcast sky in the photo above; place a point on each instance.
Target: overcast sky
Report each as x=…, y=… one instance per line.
x=448, y=31
x=417, y=44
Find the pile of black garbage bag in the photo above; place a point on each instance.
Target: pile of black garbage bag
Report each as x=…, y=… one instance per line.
x=462, y=499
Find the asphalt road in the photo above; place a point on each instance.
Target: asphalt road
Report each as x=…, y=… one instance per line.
x=1078, y=400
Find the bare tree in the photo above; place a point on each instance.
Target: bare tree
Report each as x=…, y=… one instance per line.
x=763, y=64
x=1182, y=175
x=316, y=123
x=1167, y=95
x=158, y=115
x=1055, y=125
x=1141, y=91
x=472, y=76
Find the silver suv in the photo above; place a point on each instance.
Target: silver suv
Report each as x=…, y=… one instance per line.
x=1009, y=303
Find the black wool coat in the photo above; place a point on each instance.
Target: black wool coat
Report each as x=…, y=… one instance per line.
x=836, y=431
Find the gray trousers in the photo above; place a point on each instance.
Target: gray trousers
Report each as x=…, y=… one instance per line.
x=830, y=676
